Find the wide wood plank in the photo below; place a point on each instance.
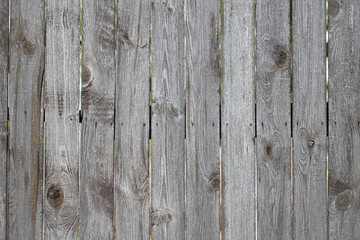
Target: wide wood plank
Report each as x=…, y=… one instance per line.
x=132, y=193
x=238, y=120
x=167, y=121
x=202, y=120
x=62, y=120
x=4, y=51
x=273, y=119
x=309, y=119
x=97, y=128
x=344, y=119
x=25, y=119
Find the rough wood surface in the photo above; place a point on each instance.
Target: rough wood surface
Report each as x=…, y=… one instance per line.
x=97, y=128
x=62, y=119
x=4, y=50
x=273, y=119
x=167, y=121
x=238, y=120
x=202, y=120
x=344, y=120
x=25, y=119
x=132, y=193
x=309, y=119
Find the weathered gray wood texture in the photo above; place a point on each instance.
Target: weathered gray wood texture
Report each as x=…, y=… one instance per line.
x=97, y=128
x=344, y=120
x=62, y=92
x=4, y=50
x=168, y=123
x=132, y=186
x=309, y=119
x=202, y=120
x=25, y=119
x=273, y=119
x=238, y=120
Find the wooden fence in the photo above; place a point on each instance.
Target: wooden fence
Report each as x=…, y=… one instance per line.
x=180, y=119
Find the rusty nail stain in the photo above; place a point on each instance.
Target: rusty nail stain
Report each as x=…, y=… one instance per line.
x=27, y=47
x=343, y=200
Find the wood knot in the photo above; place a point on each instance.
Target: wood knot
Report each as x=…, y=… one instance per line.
x=334, y=8
x=86, y=77
x=161, y=216
x=215, y=182
x=27, y=47
x=281, y=56
x=55, y=196
x=343, y=200
x=311, y=143
x=268, y=149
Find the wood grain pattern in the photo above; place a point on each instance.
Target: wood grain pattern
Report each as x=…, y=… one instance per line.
x=202, y=120
x=344, y=120
x=273, y=119
x=238, y=120
x=26, y=119
x=4, y=50
x=168, y=123
x=62, y=125
x=309, y=119
x=97, y=128
x=132, y=193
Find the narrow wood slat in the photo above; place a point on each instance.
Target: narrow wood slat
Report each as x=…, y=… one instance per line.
x=202, y=120
x=273, y=119
x=26, y=119
x=238, y=120
x=97, y=128
x=309, y=119
x=61, y=119
x=344, y=119
x=132, y=194
x=4, y=50
x=167, y=120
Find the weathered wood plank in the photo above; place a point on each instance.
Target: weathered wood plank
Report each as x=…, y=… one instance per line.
x=273, y=119
x=97, y=128
x=309, y=119
x=61, y=122
x=202, y=120
x=27, y=51
x=167, y=121
x=132, y=120
x=344, y=119
x=238, y=120
x=4, y=50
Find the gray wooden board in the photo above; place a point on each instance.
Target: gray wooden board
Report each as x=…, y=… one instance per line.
x=202, y=120
x=238, y=120
x=25, y=119
x=62, y=125
x=344, y=120
x=4, y=50
x=132, y=193
x=97, y=128
x=273, y=119
x=309, y=119
x=167, y=120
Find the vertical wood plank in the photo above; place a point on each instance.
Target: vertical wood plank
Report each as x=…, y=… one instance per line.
x=62, y=120
x=273, y=119
x=4, y=50
x=132, y=120
x=238, y=120
x=309, y=119
x=97, y=128
x=168, y=123
x=25, y=119
x=202, y=120
x=344, y=119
